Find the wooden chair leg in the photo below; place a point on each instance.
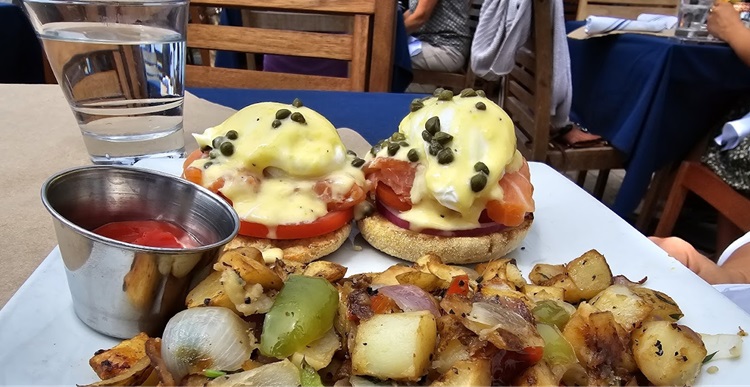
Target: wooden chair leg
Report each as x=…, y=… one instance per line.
x=656, y=191
x=601, y=184
x=673, y=205
x=581, y=179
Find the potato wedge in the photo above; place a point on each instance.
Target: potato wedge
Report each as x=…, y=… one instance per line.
x=474, y=372
x=668, y=353
x=590, y=272
x=121, y=358
x=394, y=346
x=209, y=292
x=324, y=269
x=249, y=269
x=541, y=273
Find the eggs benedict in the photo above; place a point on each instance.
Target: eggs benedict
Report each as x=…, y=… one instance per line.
x=450, y=182
x=287, y=174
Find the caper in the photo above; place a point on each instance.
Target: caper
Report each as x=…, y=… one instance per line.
x=208, y=164
x=206, y=148
x=216, y=143
x=435, y=148
x=481, y=167
x=276, y=123
x=297, y=103
x=481, y=106
x=227, y=148
x=375, y=149
x=415, y=105
x=393, y=148
x=437, y=91
x=481, y=93
x=443, y=138
x=445, y=156
x=468, y=92
x=298, y=117
x=413, y=155
x=351, y=152
x=427, y=136
x=357, y=162
x=432, y=124
x=478, y=182
x=214, y=154
x=398, y=136
x=445, y=95
x=283, y=113
x=404, y=144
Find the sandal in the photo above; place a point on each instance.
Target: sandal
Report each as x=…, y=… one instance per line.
x=576, y=136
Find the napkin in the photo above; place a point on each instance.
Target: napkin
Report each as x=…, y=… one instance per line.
x=644, y=23
x=733, y=132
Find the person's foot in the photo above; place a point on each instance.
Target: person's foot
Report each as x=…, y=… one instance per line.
x=575, y=137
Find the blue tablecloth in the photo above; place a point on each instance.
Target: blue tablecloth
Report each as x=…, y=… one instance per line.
x=652, y=97
x=373, y=115
x=21, y=52
x=402, y=71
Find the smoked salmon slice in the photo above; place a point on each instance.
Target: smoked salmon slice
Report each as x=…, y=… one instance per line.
x=517, y=198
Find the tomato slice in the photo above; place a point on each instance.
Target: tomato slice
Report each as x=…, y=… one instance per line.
x=385, y=194
x=329, y=222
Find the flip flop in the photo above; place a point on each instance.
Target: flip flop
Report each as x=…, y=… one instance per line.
x=559, y=138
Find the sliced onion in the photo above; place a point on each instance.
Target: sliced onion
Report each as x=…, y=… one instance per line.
x=411, y=298
x=723, y=346
x=206, y=337
x=494, y=316
x=280, y=374
x=483, y=229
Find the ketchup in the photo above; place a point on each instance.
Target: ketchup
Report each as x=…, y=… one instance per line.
x=149, y=233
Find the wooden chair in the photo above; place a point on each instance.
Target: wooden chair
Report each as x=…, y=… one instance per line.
x=368, y=48
x=461, y=79
x=733, y=207
x=527, y=97
x=628, y=9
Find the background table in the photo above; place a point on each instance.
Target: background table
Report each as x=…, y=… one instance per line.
x=652, y=97
x=373, y=115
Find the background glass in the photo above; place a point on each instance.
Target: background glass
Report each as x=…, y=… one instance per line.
x=121, y=65
x=691, y=19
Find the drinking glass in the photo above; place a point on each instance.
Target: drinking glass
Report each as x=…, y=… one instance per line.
x=691, y=19
x=121, y=65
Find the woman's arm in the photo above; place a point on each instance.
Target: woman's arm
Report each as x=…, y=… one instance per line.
x=421, y=14
x=724, y=23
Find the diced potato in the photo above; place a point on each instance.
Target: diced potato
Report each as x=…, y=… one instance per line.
x=663, y=306
x=628, y=308
x=449, y=354
x=388, y=277
x=284, y=269
x=492, y=269
x=136, y=375
x=249, y=269
x=600, y=343
x=120, y=358
x=209, y=292
x=537, y=375
x=426, y=281
x=563, y=281
x=433, y=264
x=591, y=273
x=514, y=275
x=668, y=353
x=324, y=269
x=543, y=272
x=540, y=293
x=248, y=252
x=394, y=346
x=474, y=372
x=319, y=353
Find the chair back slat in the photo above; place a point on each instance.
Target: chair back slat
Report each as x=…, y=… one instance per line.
x=628, y=9
x=367, y=46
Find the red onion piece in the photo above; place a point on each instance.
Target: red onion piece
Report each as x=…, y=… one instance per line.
x=483, y=229
x=411, y=298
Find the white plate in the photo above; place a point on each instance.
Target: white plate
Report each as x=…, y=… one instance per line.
x=42, y=341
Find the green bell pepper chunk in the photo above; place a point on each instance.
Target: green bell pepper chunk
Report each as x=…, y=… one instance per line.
x=309, y=377
x=550, y=312
x=303, y=312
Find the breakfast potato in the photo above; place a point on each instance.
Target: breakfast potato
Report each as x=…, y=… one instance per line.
x=539, y=293
x=139, y=374
x=121, y=358
x=571, y=292
x=590, y=272
x=284, y=269
x=319, y=353
x=433, y=264
x=628, y=308
x=663, y=306
x=141, y=281
x=389, y=275
x=473, y=372
x=601, y=344
x=539, y=374
x=426, y=281
x=541, y=273
x=394, y=346
x=249, y=269
x=209, y=292
x=668, y=354
x=324, y=269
